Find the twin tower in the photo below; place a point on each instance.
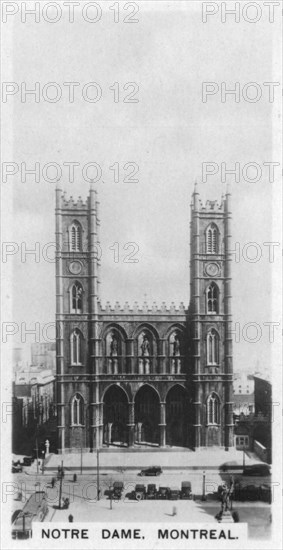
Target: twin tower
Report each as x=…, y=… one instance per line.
x=143, y=376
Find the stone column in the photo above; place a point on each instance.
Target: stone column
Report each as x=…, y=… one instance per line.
x=162, y=424
x=131, y=423
x=141, y=369
x=139, y=431
x=229, y=424
x=109, y=433
x=162, y=356
x=130, y=356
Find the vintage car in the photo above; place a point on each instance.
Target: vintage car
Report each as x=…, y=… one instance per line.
x=186, y=490
x=28, y=460
x=117, y=490
x=16, y=467
x=163, y=493
x=174, y=493
x=151, y=471
x=139, y=492
x=151, y=491
x=256, y=469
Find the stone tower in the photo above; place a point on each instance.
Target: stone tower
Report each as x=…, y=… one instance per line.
x=77, y=282
x=210, y=322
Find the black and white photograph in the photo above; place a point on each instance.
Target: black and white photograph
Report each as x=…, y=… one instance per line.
x=141, y=246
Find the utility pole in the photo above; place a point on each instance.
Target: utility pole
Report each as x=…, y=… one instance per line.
x=36, y=443
x=97, y=473
x=61, y=481
x=203, y=486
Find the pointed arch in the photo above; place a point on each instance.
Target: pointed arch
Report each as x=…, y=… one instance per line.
x=77, y=410
x=76, y=340
x=115, y=415
x=76, y=298
x=146, y=346
x=176, y=350
x=213, y=409
x=75, y=237
x=212, y=347
x=177, y=416
x=212, y=299
x=114, y=349
x=212, y=239
x=147, y=415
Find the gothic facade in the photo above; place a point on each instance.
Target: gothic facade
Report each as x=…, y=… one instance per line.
x=143, y=376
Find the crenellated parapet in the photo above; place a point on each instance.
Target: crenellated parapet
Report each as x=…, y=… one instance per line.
x=72, y=204
x=145, y=308
x=212, y=206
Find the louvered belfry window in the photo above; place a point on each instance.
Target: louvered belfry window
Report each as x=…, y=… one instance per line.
x=212, y=239
x=76, y=237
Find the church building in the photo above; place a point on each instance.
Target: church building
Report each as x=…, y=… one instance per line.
x=143, y=376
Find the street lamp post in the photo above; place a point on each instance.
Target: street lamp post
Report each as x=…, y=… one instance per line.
x=203, y=486
x=97, y=473
x=60, y=486
x=36, y=448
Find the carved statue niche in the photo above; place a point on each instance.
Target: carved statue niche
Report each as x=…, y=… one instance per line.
x=175, y=360
x=144, y=362
x=113, y=353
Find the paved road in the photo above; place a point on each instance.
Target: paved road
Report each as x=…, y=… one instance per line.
x=86, y=485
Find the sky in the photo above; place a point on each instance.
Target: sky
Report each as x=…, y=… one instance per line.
x=169, y=133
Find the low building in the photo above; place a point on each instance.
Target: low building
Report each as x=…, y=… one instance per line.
x=43, y=396
x=43, y=354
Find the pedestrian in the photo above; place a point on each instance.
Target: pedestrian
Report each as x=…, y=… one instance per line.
x=75, y=478
x=71, y=518
x=53, y=482
x=174, y=513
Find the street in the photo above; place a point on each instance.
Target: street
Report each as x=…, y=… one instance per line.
x=84, y=505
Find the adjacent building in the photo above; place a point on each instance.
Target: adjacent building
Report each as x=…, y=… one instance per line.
x=43, y=354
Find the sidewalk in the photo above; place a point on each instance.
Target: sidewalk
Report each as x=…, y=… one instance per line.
x=116, y=459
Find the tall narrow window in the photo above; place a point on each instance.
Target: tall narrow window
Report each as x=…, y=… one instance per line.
x=212, y=298
x=76, y=298
x=77, y=407
x=213, y=412
x=76, y=237
x=212, y=347
x=76, y=348
x=212, y=239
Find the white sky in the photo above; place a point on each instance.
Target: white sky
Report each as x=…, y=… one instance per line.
x=169, y=134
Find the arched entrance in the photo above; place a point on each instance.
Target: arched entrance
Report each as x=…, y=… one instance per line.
x=177, y=417
x=147, y=414
x=115, y=417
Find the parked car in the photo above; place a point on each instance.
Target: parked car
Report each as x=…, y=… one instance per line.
x=257, y=469
x=16, y=468
x=117, y=490
x=231, y=466
x=28, y=460
x=186, y=490
x=140, y=492
x=246, y=492
x=174, y=494
x=151, y=491
x=265, y=493
x=152, y=471
x=163, y=493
